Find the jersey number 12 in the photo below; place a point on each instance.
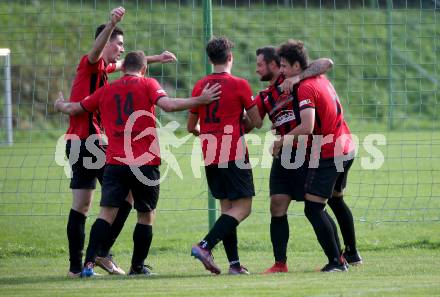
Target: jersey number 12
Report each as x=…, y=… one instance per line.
x=210, y=114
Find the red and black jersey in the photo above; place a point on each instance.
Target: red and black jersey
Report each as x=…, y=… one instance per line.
x=131, y=142
x=89, y=77
x=221, y=127
x=317, y=92
x=282, y=109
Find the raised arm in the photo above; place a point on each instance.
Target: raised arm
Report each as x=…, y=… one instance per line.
x=209, y=94
x=165, y=57
x=95, y=53
x=317, y=67
x=70, y=108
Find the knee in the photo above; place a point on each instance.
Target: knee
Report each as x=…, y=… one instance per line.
x=277, y=209
x=307, y=209
x=146, y=218
x=81, y=207
x=335, y=202
x=279, y=204
x=337, y=194
x=241, y=214
x=332, y=202
x=225, y=207
x=108, y=214
x=245, y=213
x=82, y=200
x=310, y=208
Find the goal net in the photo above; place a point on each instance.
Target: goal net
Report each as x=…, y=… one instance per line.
x=386, y=73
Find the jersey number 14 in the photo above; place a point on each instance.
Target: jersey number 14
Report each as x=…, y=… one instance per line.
x=128, y=107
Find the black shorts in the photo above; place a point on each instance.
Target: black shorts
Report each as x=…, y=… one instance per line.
x=82, y=177
x=325, y=179
x=118, y=180
x=287, y=181
x=229, y=183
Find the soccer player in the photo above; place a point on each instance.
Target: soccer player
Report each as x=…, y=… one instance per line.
x=91, y=74
x=225, y=153
x=285, y=184
x=331, y=157
x=130, y=102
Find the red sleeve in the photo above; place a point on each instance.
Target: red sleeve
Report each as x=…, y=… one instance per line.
x=84, y=63
x=91, y=103
x=246, y=95
x=98, y=66
x=110, y=68
x=195, y=93
x=155, y=91
x=306, y=96
x=259, y=102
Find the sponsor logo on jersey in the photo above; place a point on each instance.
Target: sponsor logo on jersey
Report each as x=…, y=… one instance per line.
x=283, y=117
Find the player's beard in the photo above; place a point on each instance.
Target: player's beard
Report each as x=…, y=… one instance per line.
x=267, y=77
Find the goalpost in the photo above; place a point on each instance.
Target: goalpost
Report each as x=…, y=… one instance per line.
x=7, y=104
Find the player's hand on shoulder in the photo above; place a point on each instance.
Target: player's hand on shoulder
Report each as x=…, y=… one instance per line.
x=60, y=101
x=210, y=93
x=117, y=14
x=288, y=83
x=167, y=57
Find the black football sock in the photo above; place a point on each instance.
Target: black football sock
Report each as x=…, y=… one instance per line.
x=223, y=226
x=76, y=236
x=98, y=235
x=230, y=244
x=345, y=221
x=323, y=229
x=118, y=224
x=142, y=237
x=335, y=231
x=279, y=235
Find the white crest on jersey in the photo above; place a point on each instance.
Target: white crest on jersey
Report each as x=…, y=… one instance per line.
x=283, y=117
x=304, y=102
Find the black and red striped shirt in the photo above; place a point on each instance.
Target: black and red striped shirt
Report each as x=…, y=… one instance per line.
x=282, y=109
x=89, y=77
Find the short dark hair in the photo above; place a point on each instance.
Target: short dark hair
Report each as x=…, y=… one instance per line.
x=269, y=54
x=134, y=61
x=218, y=49
x=294, y=51
x=116, y=31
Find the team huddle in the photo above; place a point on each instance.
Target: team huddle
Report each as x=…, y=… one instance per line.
x=300, y=102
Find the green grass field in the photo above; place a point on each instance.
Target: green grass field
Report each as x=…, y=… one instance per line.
x=396, y=207
x=397, y=227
